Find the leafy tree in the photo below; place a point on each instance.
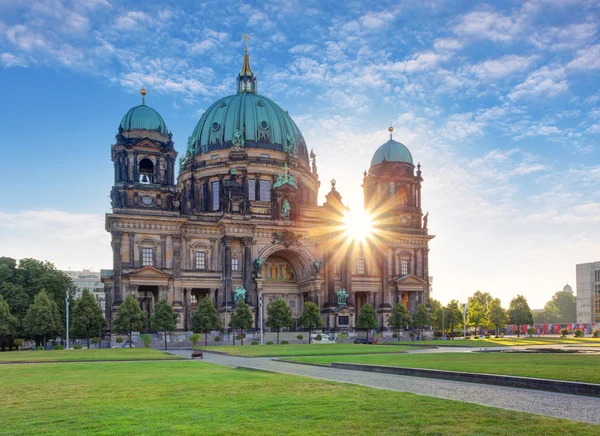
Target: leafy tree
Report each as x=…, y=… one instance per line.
x=8, y=323
x=453, y=316
x=421, y=318
x=241, y=319
x=496, y=315
x=146, y=340
x=164, y=318
x=194, y=339
x=367, y=319
x=519, y=313
x=129, y=317
x=86, y=319
x=42, y=318
x=206, y=318
x=399, y=318
x=561, y=308
x=279, y=315
x=483, y=298
x=310, y=318
x=476, y=313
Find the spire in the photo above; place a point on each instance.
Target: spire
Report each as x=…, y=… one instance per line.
x=143, y=92
x=390, y=129
x=246, y=80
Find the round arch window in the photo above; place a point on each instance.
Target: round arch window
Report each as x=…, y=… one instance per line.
x=264, y=125
x=215, y=126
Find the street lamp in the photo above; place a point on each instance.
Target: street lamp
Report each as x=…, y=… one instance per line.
x=443, y=323
x=464, y=320
x=260, y=315
x=67, y=306
x=226, y=280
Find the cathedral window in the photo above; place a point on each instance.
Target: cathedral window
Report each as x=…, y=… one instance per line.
x=251, y=189
x=215, y=195
x=193, y=299
x=235, y=264
x=265, y=190
x=200, y=260
x=361, y=266
x=147, y=257
x=146, y=168
x=404, y=267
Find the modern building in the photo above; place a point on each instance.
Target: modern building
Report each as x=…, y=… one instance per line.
x=90, y=280
x=588, y=292
x=241, y=220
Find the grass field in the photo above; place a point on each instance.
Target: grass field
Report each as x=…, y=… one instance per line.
x=574, y=367
x=93, y=354
x=306, y=349
x=182, y=397
x=511, y=341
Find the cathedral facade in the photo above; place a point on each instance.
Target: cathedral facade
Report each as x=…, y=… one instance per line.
x=241, y=219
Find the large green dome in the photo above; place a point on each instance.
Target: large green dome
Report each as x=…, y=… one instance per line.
x=252, y=119
x=143, y=117
x=392, y=151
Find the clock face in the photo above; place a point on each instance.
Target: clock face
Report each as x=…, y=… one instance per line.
x=147, y=200
x=404, y=220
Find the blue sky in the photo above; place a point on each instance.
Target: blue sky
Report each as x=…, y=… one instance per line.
x=500, y=102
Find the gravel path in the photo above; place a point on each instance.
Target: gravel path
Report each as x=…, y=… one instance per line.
x=578, y=408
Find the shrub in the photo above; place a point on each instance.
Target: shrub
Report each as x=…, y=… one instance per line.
x=578, y=333
x=467, y=337
x=496, y=337
x=95, y=341
x=194, y=339
x=564, y=332
x=285, y=342
x=39, y=347
x=530, y=331
x=58, y=347
x=412, y=335
x=119, y=340
x=475, y=337
x=596, y=333
x=340, y=338
x=395, y=335
x=217, y=339
x=19, y=342
x=487, y=336
x=318, y=337
x=77, y=347
x=254, y=343
x=438, y=334
x=239, y=337
x=269, y=342
x=300, y=337
x=146, y=339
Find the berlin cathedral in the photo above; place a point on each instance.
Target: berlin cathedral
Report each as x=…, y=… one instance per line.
x=241, y=221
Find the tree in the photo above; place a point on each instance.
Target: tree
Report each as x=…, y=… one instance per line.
x=43, y=319
x=86, y=320
x=8, y=323
x=129, y=317
x=241, y=319
x=475, y=314
x=164, y=318
x=421, y=317
x=310, y=318
x=561, y=308
x=453, y=316
x=279, y=315
x=194, y=339
x=519, y=313
x=496, y=315
x=206, y=318
x=367, y=319
x=399, y=318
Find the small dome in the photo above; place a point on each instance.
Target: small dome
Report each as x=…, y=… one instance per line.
x=143, y=117
x=392, y=151
x=568, y=288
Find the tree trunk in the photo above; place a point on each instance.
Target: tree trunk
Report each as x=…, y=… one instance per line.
x=278, y=335
x=367, y=336
x=205, y=339
x=88, y=343
x=242, y=336
x=130, y=339
x=44, y=344
x=309, y=336
x=165, y=339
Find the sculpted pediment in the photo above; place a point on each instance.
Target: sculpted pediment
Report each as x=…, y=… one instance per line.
x=148, y=272
x=408, y=279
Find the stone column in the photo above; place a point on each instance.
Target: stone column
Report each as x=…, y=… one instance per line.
x=135, y=167
x=212, y=297
x=426, y=274
x=384, y=280
x=117, y=238
x=131, y=248
x=227, y=287
x=247, y=272
x=419, y=272
x=157, y=174
x=163, y=251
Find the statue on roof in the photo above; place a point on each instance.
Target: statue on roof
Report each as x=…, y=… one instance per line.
x=238, y=139
x=285, y=178
x=285, y=208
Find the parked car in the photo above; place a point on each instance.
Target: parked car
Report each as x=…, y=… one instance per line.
x=371, y=341
x=126, y=345
x=324, y=340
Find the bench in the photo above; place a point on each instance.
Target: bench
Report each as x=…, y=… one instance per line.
x=197, y=353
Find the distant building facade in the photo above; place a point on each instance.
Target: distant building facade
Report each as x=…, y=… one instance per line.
x=588, y=292
x=90, y=280
x=241, y=220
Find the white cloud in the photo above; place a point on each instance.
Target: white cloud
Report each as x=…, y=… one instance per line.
x=501, y=67
x=488, y=24
x=587, y=59
x=545, y=82
x=10, y=60
x=133, y=21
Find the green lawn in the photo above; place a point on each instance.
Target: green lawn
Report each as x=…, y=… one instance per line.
x=93, y=354
x=306, y=349
x=512, y=341
x=183, y=397
x=574, y=367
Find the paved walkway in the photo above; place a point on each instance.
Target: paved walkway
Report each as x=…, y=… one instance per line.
x=573, y=407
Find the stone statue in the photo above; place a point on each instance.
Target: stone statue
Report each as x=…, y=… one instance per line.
x=425, y=219
x=342, y=297
x=238, y=138
x=285, y=208
x=244, y=206
x=290, y=144
x=258, y=264
x=313, y=157
x=317, y=266
x=239, y=294
x=115, y=198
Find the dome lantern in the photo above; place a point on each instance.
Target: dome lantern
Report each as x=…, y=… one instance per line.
x=392, y=151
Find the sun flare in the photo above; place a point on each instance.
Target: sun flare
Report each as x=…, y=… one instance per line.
x=358, y=224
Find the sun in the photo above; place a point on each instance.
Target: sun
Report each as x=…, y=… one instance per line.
x=358, y=224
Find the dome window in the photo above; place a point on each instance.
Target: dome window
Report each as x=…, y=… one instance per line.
x=215, y=126
x=260, y=103
x=223, y=104
x=264, y=125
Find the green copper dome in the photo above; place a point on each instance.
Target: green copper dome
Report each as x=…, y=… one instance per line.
x=392, y=151
x=143, y=117
x=250, y=120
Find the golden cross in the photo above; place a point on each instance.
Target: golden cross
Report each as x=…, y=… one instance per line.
x=286, y=169
x=246, y=37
